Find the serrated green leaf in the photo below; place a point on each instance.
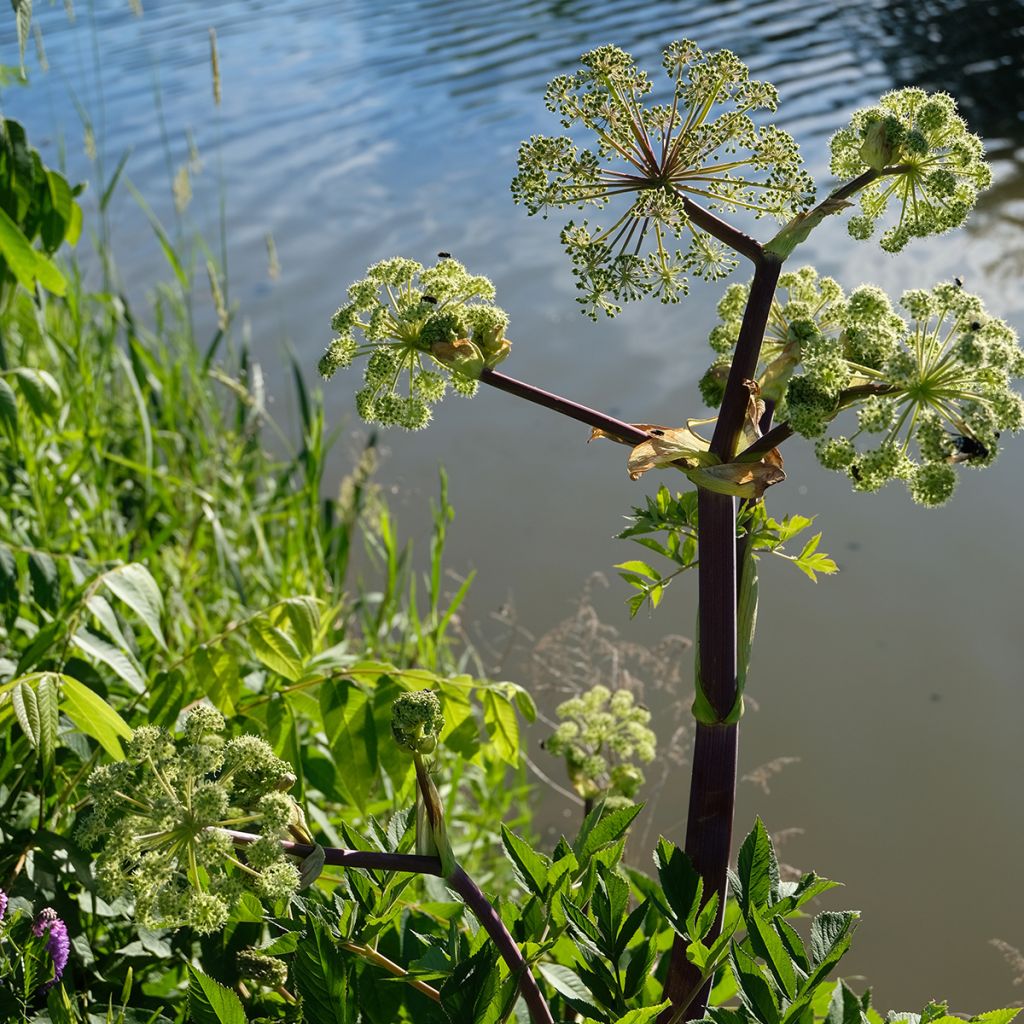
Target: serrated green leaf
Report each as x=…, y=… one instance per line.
x=531, y=867
x=996, y=1016
x=209, y=1002
x=94, y=716
x=322, y=978
x=472, y=988
x=755, y=990
x=565, y=981
x=844, y=1007
x=827, y=928
x=348, y=722
x=680, y=882
x=768, y=945
x=757, y=869
x=644, y=1015
x=134, y=585
x=641, y=568
x=601, y=828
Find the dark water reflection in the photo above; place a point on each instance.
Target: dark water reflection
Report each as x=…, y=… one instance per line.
x=353, y=131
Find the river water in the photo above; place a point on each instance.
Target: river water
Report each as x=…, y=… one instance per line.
x=889, y=699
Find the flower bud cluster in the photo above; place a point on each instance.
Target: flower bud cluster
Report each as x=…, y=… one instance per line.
x=157, y=818
x=927, y=161
x=414, y=320
x=602, y=733
x=703, y=147
x=931, y=389
x=417, y=721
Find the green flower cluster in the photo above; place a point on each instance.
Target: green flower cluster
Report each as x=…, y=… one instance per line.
x=601, y=734
x=414, y=319
x=417, y=721
x=158, y=818
x=662, y=156
x=927, y=160
x=930, y=389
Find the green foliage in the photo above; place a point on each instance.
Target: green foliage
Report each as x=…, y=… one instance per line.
x=36, y=203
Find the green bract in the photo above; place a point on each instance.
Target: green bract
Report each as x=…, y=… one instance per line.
x=417, y=721
x=928, y=162
x=414, y=319
x=939, y=377
x=664, y=157
x=158, y=818
x=602, y=732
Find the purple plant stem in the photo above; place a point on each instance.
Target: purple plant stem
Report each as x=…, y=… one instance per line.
x=470, y=892
x=712, y=801
x=617, y=428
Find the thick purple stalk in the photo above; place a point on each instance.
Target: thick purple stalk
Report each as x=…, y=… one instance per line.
x=470, y=892
x=713, y=779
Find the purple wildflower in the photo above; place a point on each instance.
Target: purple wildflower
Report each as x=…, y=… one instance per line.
x=3, y=904
x=57, y=943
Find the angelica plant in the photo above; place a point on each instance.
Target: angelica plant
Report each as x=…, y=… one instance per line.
x=161, y=819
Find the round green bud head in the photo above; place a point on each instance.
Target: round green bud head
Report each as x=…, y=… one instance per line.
x=835, y=452
x=932, y=484
x=254, y=965
x=417, y=721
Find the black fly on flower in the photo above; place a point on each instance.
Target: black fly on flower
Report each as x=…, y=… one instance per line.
x=669, y=159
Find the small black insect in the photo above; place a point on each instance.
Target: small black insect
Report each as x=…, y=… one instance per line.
x=657, y=433
x=958, y=281
x=967, y=449
x=444, y=255
x=430, y=299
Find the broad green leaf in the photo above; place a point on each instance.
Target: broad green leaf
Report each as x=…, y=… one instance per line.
x=809, y=886
x=322, y=978
x=471, y=989
x=827, y=929
x=276, y=650
x=217, y=670
x=531, y=867
x=209, y=1002
x=94, y=716
x=996, y=1016
x=640, y=568
x=134, y=585
x=768, y=945
x=502, y=726
x=844, y=1007
x=565, y=981
x=793, y=943
x=40, y=388
x=755, y=990
x=758, y=869
x=680, y=882
x=27, y=264
x=602, y=828
x=120, y=662
x=348, y=722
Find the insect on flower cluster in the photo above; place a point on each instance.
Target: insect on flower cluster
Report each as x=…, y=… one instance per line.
x=414, y=321
x=926, y=389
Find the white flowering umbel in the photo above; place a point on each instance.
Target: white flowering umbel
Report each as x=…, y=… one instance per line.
x=704, y=146
x=411, y=321
x=930, y=388
x=158, y=818
x=601, y=736
x=930, y=164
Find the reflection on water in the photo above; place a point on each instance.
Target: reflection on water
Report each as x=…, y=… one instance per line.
x=359, y=130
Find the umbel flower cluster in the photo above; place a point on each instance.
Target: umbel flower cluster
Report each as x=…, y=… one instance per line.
x=926, y=390
x=159, y=817
x=930, y=164
x=702, y=147
x=601, y=735
x=413, y=321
